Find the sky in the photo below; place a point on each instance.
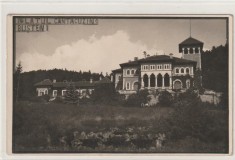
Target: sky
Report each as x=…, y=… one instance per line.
x=102, y=47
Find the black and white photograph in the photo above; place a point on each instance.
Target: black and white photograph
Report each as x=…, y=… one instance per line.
x=121, y=84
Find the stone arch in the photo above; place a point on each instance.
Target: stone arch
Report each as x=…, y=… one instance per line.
x=178, y=84
x=159, y=80
x=187, y=71
x=135, y=86
x=182, y=70
x=177, y=70
x=191, y=50
x=166, y=80
x=128, y=72
x=186, y=50
x=152, y=80
x=145, y=79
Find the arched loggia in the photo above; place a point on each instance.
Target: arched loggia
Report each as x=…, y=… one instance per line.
x=159, y=80
x=145, y=79
x=166, y=80
x=152, y=80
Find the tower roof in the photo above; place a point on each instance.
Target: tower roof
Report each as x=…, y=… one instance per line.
x=190, y=41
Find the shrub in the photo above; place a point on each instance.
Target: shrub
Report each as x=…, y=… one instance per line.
x=71, y=95
x=165, y=98
x=196, y=119
x=142, y=96
x=105, y=94
x=58, y=100
x=44, y=98
x=224, y=100
x=188, y=98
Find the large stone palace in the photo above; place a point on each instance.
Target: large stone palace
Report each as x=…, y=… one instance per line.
x=163, y=72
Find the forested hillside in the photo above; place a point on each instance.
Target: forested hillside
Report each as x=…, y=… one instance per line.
x=215, y=69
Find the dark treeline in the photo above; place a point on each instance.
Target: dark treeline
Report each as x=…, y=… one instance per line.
x=215, y=69
x=28, y=79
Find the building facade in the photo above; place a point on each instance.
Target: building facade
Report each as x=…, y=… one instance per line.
x=161, y=72
x=54, y=89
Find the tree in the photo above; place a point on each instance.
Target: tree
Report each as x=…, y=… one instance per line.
x=198, y=81
x=16, y=81
x=215, y=68
x=105, y=93
x=142, y=96
x=165, y=99
x=145, y=54
x=71, y=95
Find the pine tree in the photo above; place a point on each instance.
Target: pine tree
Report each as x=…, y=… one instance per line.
x=71, y=95
x=17, y=74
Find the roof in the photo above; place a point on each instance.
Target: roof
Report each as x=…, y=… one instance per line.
x=117, y=70
x=76, y=84
x=130, y=63
x=159, y=58
x=46, y=82
x=156, y=58
x=190, y=41
x=104, y=81
x=165, y=58
x=183, y=61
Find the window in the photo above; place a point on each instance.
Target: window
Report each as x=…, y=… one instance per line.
x=119, y=78
x=41, y=93
x=63, y=92
x=128, y=72
x=187, y=70
x=128, y=86
x=54, y=93
x=186, y=51
x=191, y=50
x=145, y=67
x=166, y=66
x=132, y=71
x=46, y=92
x=159, y=66
x=152, y=67
x=176, y=70
x=196, y=50
x=182, y=70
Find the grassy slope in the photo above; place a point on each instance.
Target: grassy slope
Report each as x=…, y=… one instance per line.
x=36, y=120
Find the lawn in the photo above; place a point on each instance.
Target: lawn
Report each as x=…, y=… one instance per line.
x=58, y=127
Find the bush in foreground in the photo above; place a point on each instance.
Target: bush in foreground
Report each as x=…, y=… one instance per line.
x=193, y=118
x=142, y=96
x=165, y=99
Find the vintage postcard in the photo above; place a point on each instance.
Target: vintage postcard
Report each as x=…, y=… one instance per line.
x=150, y=84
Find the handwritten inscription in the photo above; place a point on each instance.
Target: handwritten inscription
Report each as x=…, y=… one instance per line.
x=40, y=24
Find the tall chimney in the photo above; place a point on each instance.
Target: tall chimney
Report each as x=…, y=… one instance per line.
x=171, y=55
